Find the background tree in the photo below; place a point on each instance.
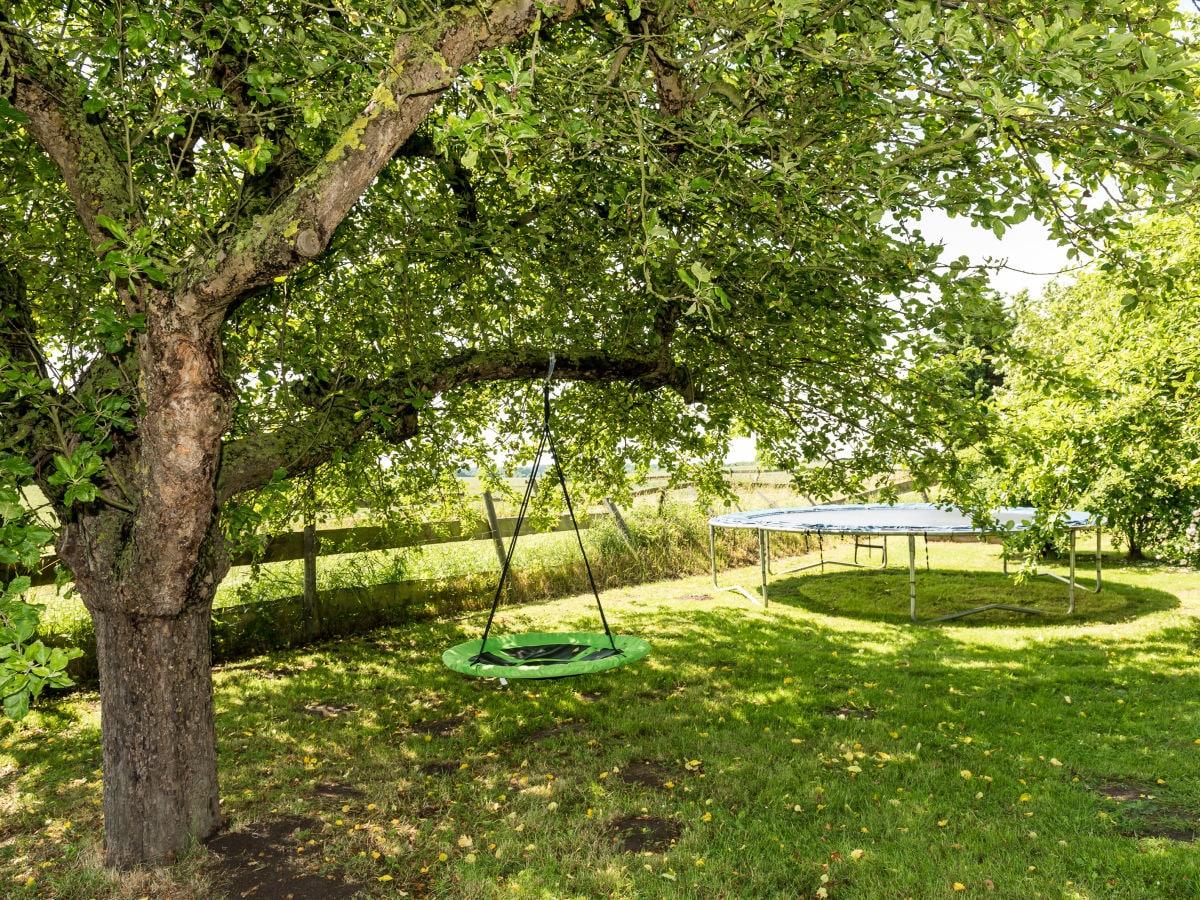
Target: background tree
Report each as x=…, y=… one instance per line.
x=1102, y=412
x=261, y=238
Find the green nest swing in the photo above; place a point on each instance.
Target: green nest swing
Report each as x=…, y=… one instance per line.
x=541, y=654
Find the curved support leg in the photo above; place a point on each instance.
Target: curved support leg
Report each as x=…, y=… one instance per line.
x=1070, y=581
x=737, y=588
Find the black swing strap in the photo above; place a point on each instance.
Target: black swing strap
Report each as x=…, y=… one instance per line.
x=512, y=545
x=546, y=439
x=562, y=480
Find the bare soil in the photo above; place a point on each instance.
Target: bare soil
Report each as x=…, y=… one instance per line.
x=261, y=862
x=643, y=833
x=647, y=774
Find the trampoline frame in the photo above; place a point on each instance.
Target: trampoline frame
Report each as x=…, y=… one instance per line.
x=738, y=520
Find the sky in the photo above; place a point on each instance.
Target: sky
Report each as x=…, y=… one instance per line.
x=1032, y=259
x=1026, y=247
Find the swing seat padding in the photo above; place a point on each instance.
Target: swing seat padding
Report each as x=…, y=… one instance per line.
x=541, y=655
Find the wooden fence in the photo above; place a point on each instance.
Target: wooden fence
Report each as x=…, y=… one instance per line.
x=311, y=543
x=364, y=539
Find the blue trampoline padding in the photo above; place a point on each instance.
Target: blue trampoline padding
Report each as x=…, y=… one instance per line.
x=881, y=518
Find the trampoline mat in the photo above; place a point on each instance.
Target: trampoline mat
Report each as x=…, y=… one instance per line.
x=880, y=518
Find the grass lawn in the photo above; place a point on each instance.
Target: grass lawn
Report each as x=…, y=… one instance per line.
x=823, y=747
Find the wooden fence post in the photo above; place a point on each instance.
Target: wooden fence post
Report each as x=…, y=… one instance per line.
x=616, y=514
x=313, y=626
x=489, y=507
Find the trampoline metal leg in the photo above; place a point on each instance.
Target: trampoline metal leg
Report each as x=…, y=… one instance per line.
x=912, y=577
x=736, y=588
x=1070, y=580
x=912, y=593
x=764, y=548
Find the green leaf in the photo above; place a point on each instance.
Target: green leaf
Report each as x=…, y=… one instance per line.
x=16, y=706
x=19, y=585
x=9, y=113
x=113, y=227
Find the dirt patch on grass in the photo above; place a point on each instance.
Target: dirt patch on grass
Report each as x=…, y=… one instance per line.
x=1124, y=793
x=439, y=768
x=1144, y=817
x=327, y=710
x=260, y=861
x=1163, y=831
x=553, y=731
x=849, y=712
x=432, y=810
x=439, y=727
x=333, y=790
x=647, y=774
x=643, y=833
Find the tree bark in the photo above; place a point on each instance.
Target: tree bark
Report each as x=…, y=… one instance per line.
x=1134, y=553
x=159, y=736
x=156, y=698
x=148, y=576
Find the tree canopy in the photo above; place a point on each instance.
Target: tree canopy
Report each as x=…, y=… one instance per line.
x=1100, y=407
x=244, y=240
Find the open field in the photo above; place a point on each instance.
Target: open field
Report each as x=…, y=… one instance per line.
x=821, y=747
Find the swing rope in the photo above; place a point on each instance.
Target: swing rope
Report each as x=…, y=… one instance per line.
x=546, y=439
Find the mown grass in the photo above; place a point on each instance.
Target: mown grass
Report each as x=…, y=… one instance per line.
x=823, y=744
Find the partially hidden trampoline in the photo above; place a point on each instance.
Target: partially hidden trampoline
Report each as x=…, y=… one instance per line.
x=877, y=521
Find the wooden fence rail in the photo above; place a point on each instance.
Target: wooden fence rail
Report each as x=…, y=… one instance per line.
x=331, y=541
x=364, y=539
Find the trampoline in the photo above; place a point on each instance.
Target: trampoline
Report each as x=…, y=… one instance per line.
x=877, y=521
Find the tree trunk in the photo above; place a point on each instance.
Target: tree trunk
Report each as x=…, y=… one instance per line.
x=1134, y=553
x=159, y=737
x=148, y=576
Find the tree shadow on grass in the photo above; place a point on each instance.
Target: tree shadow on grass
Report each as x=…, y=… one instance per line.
x=750, y=709
x=883, y=596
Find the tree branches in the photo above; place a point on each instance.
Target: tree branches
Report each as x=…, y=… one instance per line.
x=345, y=413
x=48, y=96
x=423, y=66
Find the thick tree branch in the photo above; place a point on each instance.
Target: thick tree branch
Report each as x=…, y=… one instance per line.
x=673, y=95
x=93, y=173
x=423, y=66
x=343, y=418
